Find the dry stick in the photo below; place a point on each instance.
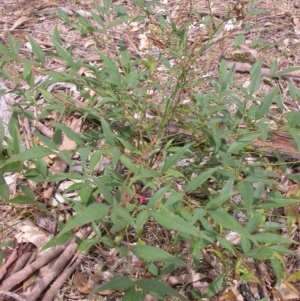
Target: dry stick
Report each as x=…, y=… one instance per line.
x=245, y=67
x=17, y=278
x=45, y=130
x=11, y=259
x=32, y=258
x=12, y=295
x=261, y=269
x=58, y=264
x=58, y=283
x=21, y=262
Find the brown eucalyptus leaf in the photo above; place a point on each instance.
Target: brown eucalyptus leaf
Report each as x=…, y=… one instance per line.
x=83, y=285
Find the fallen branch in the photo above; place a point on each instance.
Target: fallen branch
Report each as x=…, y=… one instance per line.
x=245, y=68
x=58, y=265
x=280, y=142
x=12, y=295
x=11, y=259
x=20, y=276
x=59, y=282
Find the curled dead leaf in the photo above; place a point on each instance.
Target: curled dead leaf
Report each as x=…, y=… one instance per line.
x=19, y=22
x=86, y=286
x=83, y=285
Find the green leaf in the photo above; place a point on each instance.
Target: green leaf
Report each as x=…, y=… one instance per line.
x=293, y=117
x=69, y=133
x=174, y=198
x=124, y=214
x=152, y=268
x=219, y=200
x=104, y=190
x=11, y=167
x=276, y=265
x=157, y=196
x=247, y=193
x=66, y=156
x=238, y=40
x=64, y=54
x=146, y=174
x=30, y=154
x=13, y=46
x=261, y=253
x=86, y=244
x=2, y=131
x=263, y=127
x=264, y=298
x=4, y=189
x=28, y=193
x=274, y=68
x=41, y=166
x=84, y=155
x=294, y=93
x=254, y=221
x=255, y=73
x=215, y=286
x=226, y=244
x=62, y=15
x=238, y=145
x=227, y=79
x=222, y=218
x=294, y=277
x=287, y=70
x=141, y=219
x=59, y=177
x=169, y=220
x=282, y=249
x=271, y=238
x=98, y=19
x=245, y=244
x=85, y=194
x=259, y=179
x=92, y=213
x=57, y=240
x=37, y=50
x=172, y=160
x=156, y=254
x=295, y=135
x=199, y=180
x=107, y=4
x=277, y=203
x=118, y=283
x=108, y=134
x=20, y=199
x=266, y=103
x=158, y=288
x=132, y=295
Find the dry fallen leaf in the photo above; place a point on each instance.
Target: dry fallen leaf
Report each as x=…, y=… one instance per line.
x=83, y=285
x=30, y=232
x=19, y=22
x=229, y=295
x=287, y=291
x=86, y=286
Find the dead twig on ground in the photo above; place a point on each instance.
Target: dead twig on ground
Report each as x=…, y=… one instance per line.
x=59, y=282
x=20, y=276
x=245, y=68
